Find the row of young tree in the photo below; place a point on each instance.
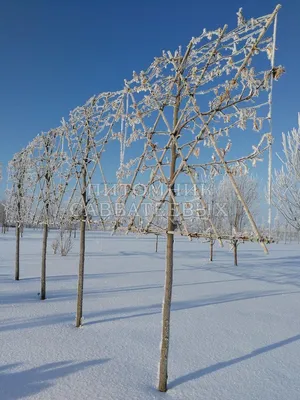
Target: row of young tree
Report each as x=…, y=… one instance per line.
x=188, y=105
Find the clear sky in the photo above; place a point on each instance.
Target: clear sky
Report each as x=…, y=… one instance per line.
x=55, y=54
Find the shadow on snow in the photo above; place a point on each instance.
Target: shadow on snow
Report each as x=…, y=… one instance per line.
x=21, y=384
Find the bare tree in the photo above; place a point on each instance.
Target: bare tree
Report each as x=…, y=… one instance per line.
x=205, y=106
x=81, y=133
x=55, y=245
x=47, y=159
x=17, y=201
x=185, y=101
x=286, y=182
x=235, y=214
x=3, y=217
x=47, y=175
x=65, y=241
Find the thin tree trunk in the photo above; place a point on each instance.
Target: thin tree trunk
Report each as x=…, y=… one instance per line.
x=17, y=266
x=285, y=234
x=46, y=226
x=235, y=246
x=211, y=250
x=82, y=243
x=166, y=309
x=18, y=233
x=156, y=244
x=81, y=273
x=44, y=258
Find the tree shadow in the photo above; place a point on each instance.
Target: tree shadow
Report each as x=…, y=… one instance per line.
x=140, y=311
x=21, y=384
x=224, y=364
x=5, y=277
x=8, y=366
x=273, y=271
x=90, y=275
x=8, y=298
x=183, y=305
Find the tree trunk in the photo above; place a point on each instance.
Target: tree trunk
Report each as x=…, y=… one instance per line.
x=285, y=234
x=166, y=308
x=46, y=228
x=44, y=257
x=156, y=244
x=235, y=246
x=82, y=241
x=81, y=273
x=211, y=250
x=17, y=266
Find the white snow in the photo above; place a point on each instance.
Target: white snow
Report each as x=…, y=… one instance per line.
x=235, y=330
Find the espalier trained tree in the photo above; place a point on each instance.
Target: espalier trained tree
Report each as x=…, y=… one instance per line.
x=18, y=200
x=173, y=121
x=87, y=133
x=190, y=104
x=235, y=217
x=48, y=162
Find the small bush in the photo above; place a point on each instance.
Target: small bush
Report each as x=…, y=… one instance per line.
x=55, y=245
x=66, y=242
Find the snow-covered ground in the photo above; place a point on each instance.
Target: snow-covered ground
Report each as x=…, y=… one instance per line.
x=235, y=330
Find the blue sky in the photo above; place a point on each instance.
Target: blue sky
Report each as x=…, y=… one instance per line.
x=57, y=54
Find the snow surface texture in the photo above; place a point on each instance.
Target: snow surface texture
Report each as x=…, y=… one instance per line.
x=235, y=330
